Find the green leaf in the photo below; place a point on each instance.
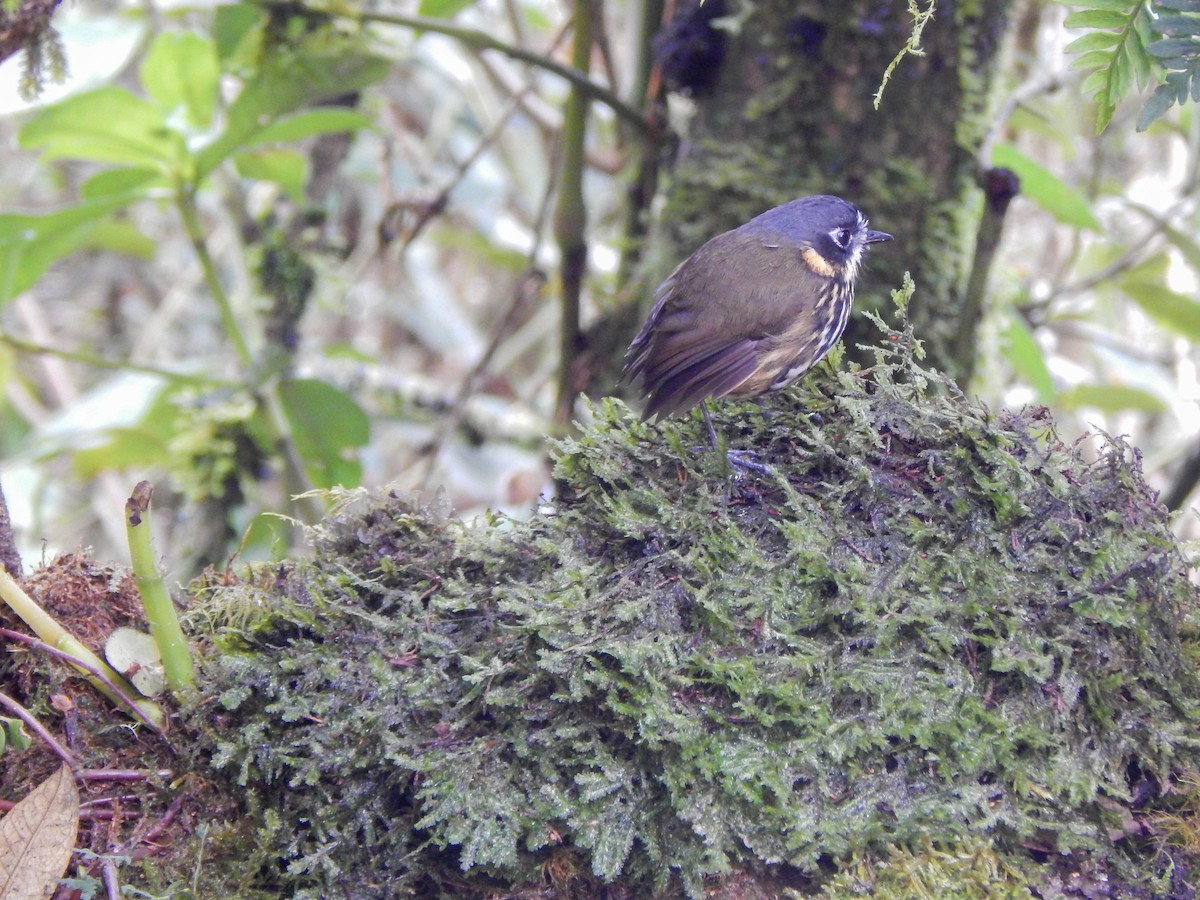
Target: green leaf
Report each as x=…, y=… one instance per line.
x=1153, y=268
x=1174, y=311
x=1177, y=26
x=180, y=73
x=1156, y=106
x=268, y=536
x=1097, y=18
x=1110, y=398
x=442, y=9
x=1095, y=59
x=118, y=235
x=131, y=183
x=1185, y=244
x=1025, y=355
x=1048, y=191
x=326, y=424
x=140, y=441
x=1104, y=114
x=29, y=245
x=124, y=448
x=1096, y=82
x=108, y=125
x=1169, y=48
x=1121, y=78
x=12, y=731
x=286, y=84
x=317, y=121
x=1093, y=40
x=342, y=350
x=1140, y=60
x=286, y=168
x=234, y=26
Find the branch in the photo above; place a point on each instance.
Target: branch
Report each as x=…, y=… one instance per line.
x=481, y=40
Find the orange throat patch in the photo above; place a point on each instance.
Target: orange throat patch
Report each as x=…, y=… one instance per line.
x=818, y=263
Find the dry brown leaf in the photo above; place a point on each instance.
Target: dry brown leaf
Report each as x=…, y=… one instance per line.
x=36, y=838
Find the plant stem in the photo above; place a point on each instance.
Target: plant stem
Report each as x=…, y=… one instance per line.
x=570, y=215
x=156, y=601
x=185, y=201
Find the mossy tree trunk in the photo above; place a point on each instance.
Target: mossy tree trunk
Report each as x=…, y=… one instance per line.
x=790, y=113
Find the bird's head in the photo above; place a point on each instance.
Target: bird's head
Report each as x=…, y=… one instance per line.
x=831, y=233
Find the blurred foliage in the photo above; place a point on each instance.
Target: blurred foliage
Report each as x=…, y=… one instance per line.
x=279, y=247
x=166, y=143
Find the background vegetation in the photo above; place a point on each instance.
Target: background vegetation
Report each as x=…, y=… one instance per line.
x=255, y=250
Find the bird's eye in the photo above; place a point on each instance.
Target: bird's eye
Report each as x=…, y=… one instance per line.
x=841, y=237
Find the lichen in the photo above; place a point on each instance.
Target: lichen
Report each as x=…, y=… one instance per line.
x=922, y=622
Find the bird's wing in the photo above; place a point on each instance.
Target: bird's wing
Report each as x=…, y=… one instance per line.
x=696, y=372
x=705, y=334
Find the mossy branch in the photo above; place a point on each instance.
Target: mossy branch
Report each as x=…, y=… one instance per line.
x=912, y=47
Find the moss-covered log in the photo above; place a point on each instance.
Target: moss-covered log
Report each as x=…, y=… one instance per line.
x=927, y=626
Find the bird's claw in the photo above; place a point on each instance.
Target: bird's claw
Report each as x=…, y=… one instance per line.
x=745, y=460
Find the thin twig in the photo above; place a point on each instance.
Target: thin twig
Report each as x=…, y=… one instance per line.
x=481, y=40
x=439, y=201
x=134, y=846
x=108, y=874
x=522, y=299
x=98, y=362
x=40, y=730
x=124, y=774
x=570, y=215
x=1034, y=87
x=117, y=692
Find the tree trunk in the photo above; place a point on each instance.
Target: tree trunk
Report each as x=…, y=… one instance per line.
x=790, y=113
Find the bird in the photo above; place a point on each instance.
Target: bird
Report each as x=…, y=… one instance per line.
x=753, y=309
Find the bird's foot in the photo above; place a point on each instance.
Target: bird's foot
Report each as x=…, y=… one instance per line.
x=747, y=461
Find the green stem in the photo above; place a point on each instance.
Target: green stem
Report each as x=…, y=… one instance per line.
x=156, y=601
x=185, y=200
x=570, y=215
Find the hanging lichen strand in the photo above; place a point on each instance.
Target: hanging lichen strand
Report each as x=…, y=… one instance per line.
x=927, y=622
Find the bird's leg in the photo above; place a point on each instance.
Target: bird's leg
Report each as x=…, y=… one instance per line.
x=708, y=423
x=739, y=459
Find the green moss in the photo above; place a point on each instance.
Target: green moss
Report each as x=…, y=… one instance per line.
x=969, y=870
x=930, y=622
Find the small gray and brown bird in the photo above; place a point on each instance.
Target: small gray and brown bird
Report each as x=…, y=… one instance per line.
x=754, y=308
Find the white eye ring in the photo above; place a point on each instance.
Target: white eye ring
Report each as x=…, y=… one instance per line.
x=841, y=237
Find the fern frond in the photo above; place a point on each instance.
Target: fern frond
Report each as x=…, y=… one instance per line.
x=1178, y=52
x=1115, y=49
x=1132, y=41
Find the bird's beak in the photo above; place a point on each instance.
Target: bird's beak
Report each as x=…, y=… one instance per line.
x=874, y=237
